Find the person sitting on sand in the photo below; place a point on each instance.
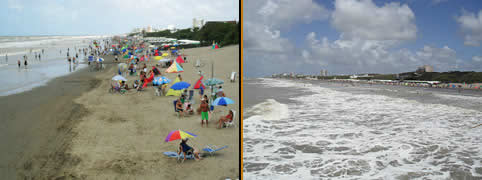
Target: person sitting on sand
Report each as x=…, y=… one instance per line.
x=179, y=107
x=180, y=78
x=220, y=92
x=189, y=109
x=183, y=98
x=186, y=149
x=136, y=84
x=227, y=118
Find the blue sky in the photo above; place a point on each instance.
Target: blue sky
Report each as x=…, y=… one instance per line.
x=361, y=36
x=102, y=17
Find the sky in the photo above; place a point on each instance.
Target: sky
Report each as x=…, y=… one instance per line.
x=360, y=36
x=106, y=17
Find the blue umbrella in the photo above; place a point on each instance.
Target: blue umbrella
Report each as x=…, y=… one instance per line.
x=180, y=85
x=222, y=101
x=161, y=80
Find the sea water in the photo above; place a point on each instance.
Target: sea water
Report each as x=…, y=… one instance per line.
x=53, y=62
x=320, y=130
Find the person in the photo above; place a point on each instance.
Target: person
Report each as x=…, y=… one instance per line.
x=76, y=55
x=183, y=98
x=204, y=112
x=39, y=57
x=185, y=149
x=6, y=58
x=226, y=118
x=189, y=109
x=116, y=59
x=18, y=63
x=179, y=107
x=163, y=88
x=220, y=92
x=25, y=63
x=180, y=78
x=136, y=84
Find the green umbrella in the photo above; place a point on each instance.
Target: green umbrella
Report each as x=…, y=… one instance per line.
x=213, y=82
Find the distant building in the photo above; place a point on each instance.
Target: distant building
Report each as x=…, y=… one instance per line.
x=149, y=29
x=424, y=68
x=197, y=23
x=323, y=72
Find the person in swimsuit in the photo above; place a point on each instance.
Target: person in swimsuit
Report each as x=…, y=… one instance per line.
x=179, y=107
x=186, y=149
x=204, y=112
x=226, y=118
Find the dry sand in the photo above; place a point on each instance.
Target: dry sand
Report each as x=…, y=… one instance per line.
x=122, y=136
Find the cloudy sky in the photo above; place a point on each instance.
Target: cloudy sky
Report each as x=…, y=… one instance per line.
x=361, y=36
x=100, y=17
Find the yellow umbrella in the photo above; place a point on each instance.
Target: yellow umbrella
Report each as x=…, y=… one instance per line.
x=157, y=57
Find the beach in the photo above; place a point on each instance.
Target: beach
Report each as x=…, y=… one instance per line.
x=73, y=128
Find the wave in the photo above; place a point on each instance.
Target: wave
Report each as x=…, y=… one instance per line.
x=267, y=110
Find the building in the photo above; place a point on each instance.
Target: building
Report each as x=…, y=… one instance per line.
x=424, y=68
x=197, y=23
x=149, y=29
x=323, y=72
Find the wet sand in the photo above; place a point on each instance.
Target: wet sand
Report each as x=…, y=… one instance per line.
x=64, y=133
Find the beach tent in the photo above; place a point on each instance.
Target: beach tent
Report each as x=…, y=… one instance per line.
x=179, y=60
x=174, y=68
x=176, y=80
x=172, y=92
x=199, y=84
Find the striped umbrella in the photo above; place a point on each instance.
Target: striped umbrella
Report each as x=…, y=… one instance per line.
x=178, y=134
x=174, y=68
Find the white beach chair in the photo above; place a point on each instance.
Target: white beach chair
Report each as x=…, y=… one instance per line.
x=233, y=77
x=228, y=124
x=198, y=63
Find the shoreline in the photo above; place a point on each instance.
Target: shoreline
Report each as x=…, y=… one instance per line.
x=38, y=122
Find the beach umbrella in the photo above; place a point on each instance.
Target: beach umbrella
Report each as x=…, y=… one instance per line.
x=122, y=66
x=100, y=60
x=164, y=60
x=157, y=57
x=119, y=78
x=172, y=92
x=126, y=56
x=173, y=47
x=174, y=68
x=161, y=80
x=178, y=134
x=180, y=85
x=179, y=60
x=222, y=101
x=199, y=84
x=213, y=82
x=165, y=54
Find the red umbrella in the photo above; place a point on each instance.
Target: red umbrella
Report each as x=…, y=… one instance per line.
x=179, y=60
x=199, y=84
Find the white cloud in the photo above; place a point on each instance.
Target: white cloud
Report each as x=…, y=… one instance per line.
x=357, y=55
x=15, y=4
x=363, y=19
x=471, y=25
x=263, y=28
x=283, y=13
x=435, y=2
x=477, y=59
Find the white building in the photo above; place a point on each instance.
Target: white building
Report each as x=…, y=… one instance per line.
x=197, y=23
x=149, y=29
x=323, y=72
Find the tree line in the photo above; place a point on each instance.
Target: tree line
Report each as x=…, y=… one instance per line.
x=220, y=32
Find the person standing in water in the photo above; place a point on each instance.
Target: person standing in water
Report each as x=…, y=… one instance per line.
x=18, y=63
x=6, y=58
x=25, y=63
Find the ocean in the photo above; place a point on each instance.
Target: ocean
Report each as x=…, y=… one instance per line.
x=53, y=62
x=321, y=130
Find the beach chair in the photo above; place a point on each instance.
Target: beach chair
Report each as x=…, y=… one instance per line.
x=233, y=77
x=212, y=149
x=198, y=63
x=231, y=123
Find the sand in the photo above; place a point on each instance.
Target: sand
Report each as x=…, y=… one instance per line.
x=113, y=136
x=122, y=137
